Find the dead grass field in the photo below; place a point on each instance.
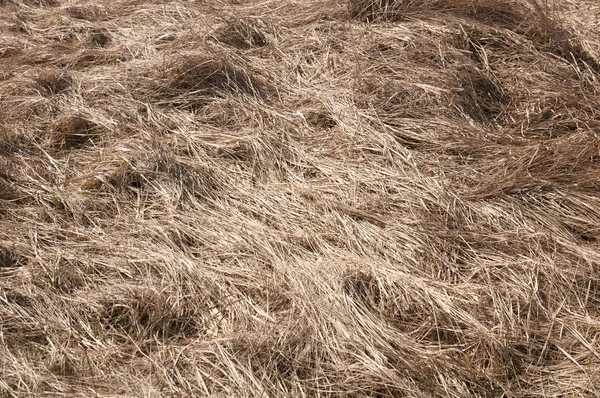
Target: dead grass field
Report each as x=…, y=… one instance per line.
x=285, y=198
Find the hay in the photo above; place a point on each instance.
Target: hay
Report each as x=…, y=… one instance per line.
x=242, y=34
x=98, y=38
x=195, y=72
x=283, y=199
x=54, y=82
x=75, y=131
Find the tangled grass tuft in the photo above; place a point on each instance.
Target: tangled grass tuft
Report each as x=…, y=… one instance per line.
x=336, y=199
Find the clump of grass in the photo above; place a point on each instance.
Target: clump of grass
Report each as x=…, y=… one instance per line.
x=197, y=72
x=98, y=38
x=145, y=313
x=54, y=81
x=194, y=80
x=242, y=34
x=480, y=97
x=75, y=131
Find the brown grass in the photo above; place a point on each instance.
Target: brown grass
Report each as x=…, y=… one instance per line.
x=242, y=34
x=299, y=199
x=73, y=131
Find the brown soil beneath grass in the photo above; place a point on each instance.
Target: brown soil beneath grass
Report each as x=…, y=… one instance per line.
x=361, y=198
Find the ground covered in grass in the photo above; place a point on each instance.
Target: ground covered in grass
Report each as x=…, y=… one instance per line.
x=313, y=198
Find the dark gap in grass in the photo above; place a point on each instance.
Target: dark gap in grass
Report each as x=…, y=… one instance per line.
x=195, y=80
x=75, y=131
x=7, y=190
x=99, y=38
x=375, y=10
x=67, y=277
x=197, y=182
x=10, y=259
x=144, y=314
x=128, y=176
x=242, y=34
x=316, y=114
x=319, y=119
x=8, y=52
x=63, y=366
x=15, y=297
x=481, y=96
x=190, y=73
x=364, y=288
x=583, y=232
x=54, y=81
x=239, y=150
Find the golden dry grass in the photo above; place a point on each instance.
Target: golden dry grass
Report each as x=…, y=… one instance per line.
x=361, y=198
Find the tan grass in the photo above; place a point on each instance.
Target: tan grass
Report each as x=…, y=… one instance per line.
x=299, y=199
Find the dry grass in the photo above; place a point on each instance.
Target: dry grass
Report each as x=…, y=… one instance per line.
x=299, y=199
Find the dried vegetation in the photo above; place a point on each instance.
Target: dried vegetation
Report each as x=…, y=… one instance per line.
x=300, y=199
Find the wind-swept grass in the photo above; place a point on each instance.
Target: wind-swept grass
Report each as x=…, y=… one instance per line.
x=283, y=199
